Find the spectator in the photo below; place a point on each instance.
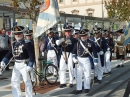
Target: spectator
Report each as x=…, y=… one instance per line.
x=41, y=44
x=5, y=45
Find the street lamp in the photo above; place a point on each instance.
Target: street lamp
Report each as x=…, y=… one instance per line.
x=102, y=16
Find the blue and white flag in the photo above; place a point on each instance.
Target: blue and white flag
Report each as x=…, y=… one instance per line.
x=48, y=16
x=127, y=34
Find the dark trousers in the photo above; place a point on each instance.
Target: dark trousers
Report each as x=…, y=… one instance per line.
x=2, y=54
x=122, y=57
x=127, y=90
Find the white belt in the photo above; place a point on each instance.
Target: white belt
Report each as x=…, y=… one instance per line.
x=20, y=61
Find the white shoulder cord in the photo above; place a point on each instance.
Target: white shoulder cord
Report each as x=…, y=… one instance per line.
x=86, y=49
x=50, y=40
x=96, y=40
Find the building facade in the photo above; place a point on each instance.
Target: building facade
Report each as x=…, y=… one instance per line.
x=93, y=8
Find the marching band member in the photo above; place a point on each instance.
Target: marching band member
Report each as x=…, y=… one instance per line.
x=50, y=46
x=101, y=47
x=120, y=49
x=66, y=58
x=28, y=38
x=21, y=51
x=82, y=55
x=110, y=46
x=76, y=34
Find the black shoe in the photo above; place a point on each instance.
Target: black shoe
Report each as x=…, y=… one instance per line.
x=109, y=72
x=55, y=75
x=95, y=78
x=122, y=65
x=105, y=73
x=87, y=90
x=67, y=70
x=99, y=81
x=78, y=91
x=71, y=85
x=117, y=66
x=62, y=85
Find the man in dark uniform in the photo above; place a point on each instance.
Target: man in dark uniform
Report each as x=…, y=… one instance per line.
x=50, y=47
x=29, y=38
x=21, y=51
x=82, y=56
x=101, y=47
x=110, y=46
x=66, y=58
x=76, y=33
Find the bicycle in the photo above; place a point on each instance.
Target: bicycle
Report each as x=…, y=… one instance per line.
x=49, y=73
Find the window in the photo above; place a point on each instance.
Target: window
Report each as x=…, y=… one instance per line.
x=61, y=1
x=90, y=14
x=7, y=24
x=75, y=12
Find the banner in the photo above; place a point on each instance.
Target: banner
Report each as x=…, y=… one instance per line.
x=48, y=16
x=127, y=34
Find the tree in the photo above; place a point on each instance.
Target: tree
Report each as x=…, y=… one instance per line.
x=32, y=11
x=118, y=10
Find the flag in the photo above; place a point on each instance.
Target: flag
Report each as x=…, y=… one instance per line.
x=127, y=34
x=48, y=16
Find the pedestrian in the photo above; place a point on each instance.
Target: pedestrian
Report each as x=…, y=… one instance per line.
x=21, y=51
x=50, y=47
x=120, y=49
x=82, y=54
x=128, y=50
x=101, y=47
x=67, y=44
x=41, y=44
x=5, y=45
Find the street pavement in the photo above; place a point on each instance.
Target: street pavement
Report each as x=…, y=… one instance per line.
x=5, y=89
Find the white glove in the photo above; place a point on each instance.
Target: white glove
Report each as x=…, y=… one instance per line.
x=3, y=65
x=43, y=54
x=58, y=42
x=101, y=53
x=75, y=61
x=95, y=64
x=115, y=40
x=29, y=68
x=108, y=49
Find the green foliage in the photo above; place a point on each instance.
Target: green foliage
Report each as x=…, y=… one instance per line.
x=118, y=10
x=32, y=7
